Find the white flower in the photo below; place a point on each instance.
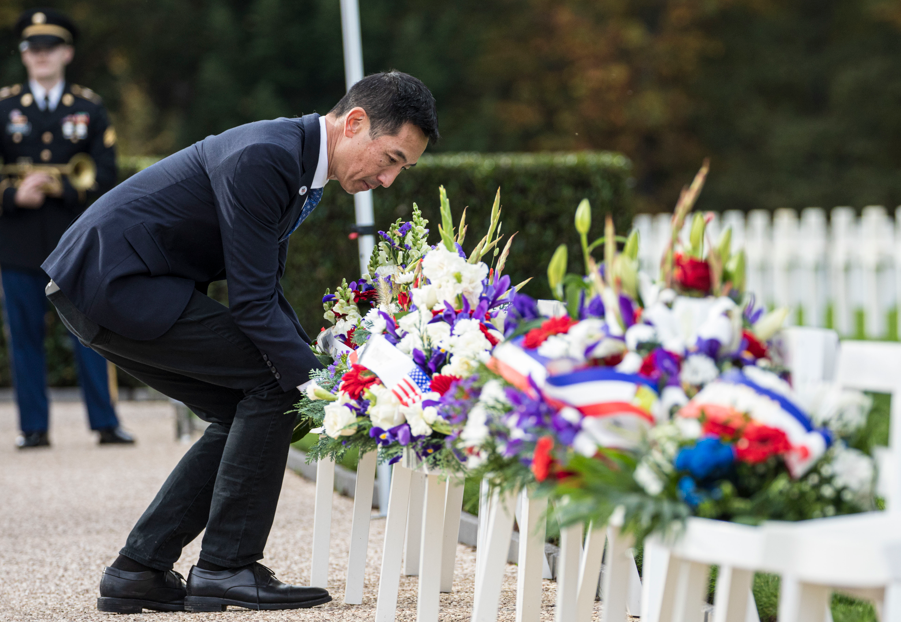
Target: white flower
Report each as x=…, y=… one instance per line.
x=493, y=393
x=311, y=390
x=670, y=399
x=452, y=276
x=554, y=347
x=720, y=324
x=460, y=366
x=414, y=321
x=630, y=364
x=414, y=416
x=842, y=411
x=639, y=334
x=688, y=428
x=402, y=278
x=385, y=409
x=585, y=445
x=338, y=416
x=345, y=325
x=425, y=297
x=410, y=342
x=854, y=471
x=468, y=340
x=430, y=413
x=698, y=369
x=374, y=322
x=768, y=380
x=438, y=333
x=476, y=431
x=647, y=478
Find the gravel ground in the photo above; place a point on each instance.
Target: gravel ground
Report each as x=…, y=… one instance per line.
x=65, y=512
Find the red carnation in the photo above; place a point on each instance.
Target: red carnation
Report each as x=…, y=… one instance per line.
x=553, y=326
x=759, y=442
x=692, y=273
x=542, y=460
x=755, y=347
x=356, y=380
x=491, y=338
x=442, y=384
x=404, y=299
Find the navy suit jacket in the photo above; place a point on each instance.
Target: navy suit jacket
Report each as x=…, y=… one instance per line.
x=223, y=206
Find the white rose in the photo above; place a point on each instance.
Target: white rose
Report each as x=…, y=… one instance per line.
x=385, y=409
x=339, y=418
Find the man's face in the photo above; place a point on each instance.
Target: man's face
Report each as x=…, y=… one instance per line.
x=47, y=63
x=363, y=163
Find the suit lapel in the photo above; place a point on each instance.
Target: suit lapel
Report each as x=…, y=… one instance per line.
x=309, y=158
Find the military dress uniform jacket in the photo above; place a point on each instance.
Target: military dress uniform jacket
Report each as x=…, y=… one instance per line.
x=79, y=124
x=223, y=206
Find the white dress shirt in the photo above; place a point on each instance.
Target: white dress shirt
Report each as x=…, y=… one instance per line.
x=53, y=95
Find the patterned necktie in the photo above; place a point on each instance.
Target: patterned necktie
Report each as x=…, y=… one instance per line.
x=308, y=207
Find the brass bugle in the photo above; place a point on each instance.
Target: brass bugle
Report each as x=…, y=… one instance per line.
x=81, y=171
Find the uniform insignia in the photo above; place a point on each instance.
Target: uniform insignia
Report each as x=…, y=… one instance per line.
x=109, y=137
x=26, y=100
x=86, y=93
x=46, y=155
x=68, y=100
x=47, y=137
x=15, y=89
x=38, y=18
x=18, y=124
x=75, y=126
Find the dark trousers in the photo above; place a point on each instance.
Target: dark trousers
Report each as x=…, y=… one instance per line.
x=25, y=308
x=230, y=479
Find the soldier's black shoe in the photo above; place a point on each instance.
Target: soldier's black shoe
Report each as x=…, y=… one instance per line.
x=31, y=440
x=130, y=592
x=253, y=587
x=115, y=436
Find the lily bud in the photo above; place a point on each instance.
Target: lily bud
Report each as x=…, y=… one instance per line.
x=696, y=237
x=724, y=246
x=631, y=248
x=627, y=271
x=770, y=324
x=556, y=270
x=315, y=392
x=583, y=217
x=735, y=270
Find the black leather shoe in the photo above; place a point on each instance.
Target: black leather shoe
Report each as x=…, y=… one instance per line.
x=115, y=436
x=32, y=440
x=130, y=592
x=253, y=587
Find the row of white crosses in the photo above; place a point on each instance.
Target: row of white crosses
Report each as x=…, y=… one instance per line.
x=808, y=261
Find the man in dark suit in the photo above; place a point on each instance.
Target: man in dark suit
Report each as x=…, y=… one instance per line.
x=129, y=278
x=48, y=121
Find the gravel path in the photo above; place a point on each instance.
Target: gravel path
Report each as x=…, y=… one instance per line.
x=65, y=512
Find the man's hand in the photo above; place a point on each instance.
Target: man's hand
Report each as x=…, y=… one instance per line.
x=30, y=194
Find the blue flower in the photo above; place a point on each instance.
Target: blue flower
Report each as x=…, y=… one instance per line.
x=688, y=491
x=709, y=458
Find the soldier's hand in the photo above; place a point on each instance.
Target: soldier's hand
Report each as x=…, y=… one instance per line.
x=30, y=195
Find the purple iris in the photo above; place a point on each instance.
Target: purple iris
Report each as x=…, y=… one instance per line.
x=329, y=298
x=596, y=307
x=390, y=329
x=523, y=309
x=751, y=313
x=627, y=310
x=708, y=347
x=398, y=434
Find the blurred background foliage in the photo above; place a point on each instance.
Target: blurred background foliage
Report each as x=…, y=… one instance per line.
x=795, y=102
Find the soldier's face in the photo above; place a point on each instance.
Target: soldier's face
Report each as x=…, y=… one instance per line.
x=364, y=163
x=43, y=63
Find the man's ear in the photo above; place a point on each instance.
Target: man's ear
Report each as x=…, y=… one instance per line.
x=69, y=55
x=355, y=121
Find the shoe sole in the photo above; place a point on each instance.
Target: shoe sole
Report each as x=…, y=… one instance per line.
x=133, y=605
x=211, y=603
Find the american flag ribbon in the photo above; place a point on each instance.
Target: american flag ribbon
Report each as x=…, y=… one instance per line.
x=397, y=371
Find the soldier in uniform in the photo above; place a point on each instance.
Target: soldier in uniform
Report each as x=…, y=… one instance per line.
x=47, y=121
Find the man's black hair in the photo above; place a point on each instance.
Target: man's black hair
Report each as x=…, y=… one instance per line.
x=391, y=99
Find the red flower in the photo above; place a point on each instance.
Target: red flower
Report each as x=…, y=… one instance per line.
x=368, y=296
x=442, y=384
x=553, y=326
x=404, y=299
x=755, y=347
x=692, y=273
x=759, y=442
x=348, y=339
x=357, y=380
x=491, y=338
x=542, y=460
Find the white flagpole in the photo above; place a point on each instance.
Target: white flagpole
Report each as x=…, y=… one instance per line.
x=353, y=72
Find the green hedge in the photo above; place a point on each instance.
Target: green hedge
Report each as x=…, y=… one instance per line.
x=539, y=195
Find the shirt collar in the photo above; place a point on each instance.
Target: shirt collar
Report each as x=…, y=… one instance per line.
x=54, y=94
x=320, y=177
